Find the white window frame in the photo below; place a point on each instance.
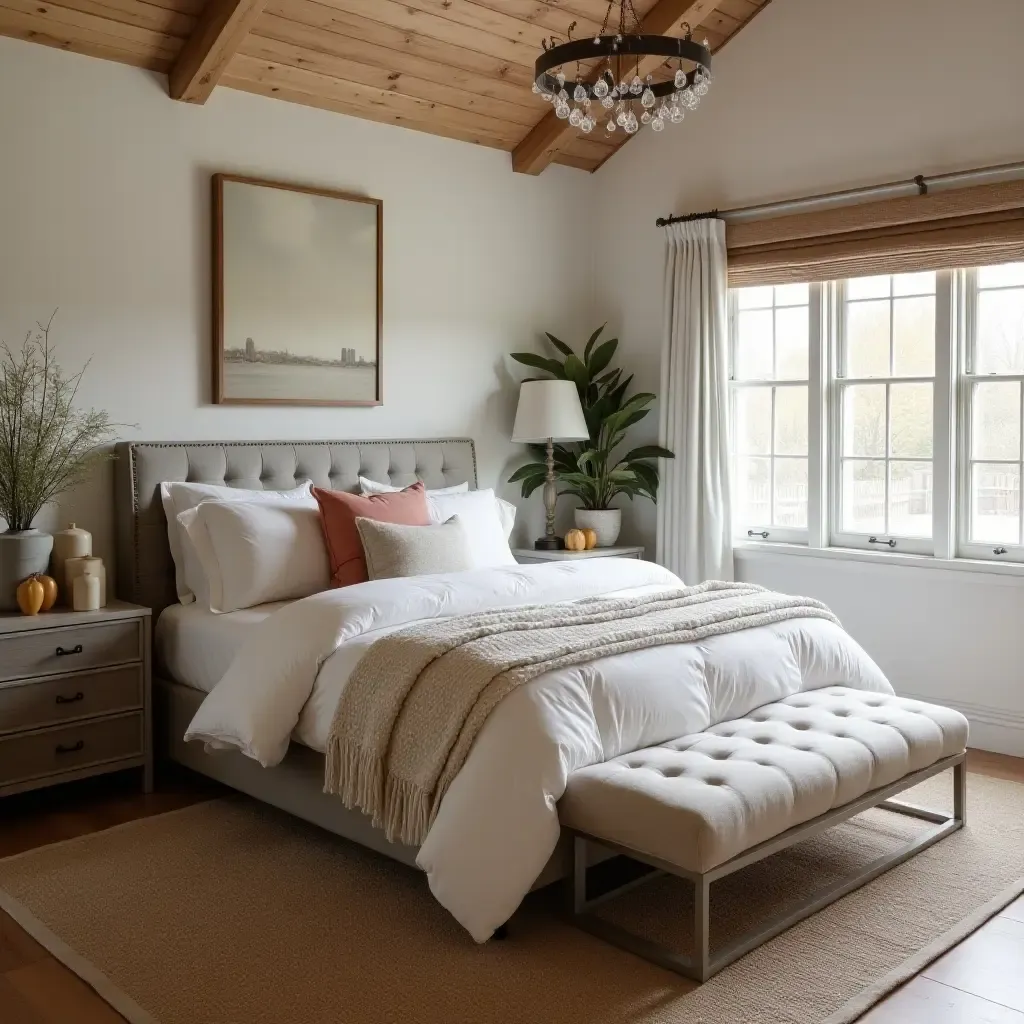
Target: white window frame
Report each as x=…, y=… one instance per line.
x=811, y=534
x=966, y=379
x=955, y=340
x=837, y=385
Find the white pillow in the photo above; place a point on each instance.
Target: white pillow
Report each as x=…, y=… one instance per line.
x=179, y=497
x=255, y=552
x=368, y=486
x=483, y=520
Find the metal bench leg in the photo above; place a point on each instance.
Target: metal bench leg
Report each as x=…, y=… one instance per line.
x=702, y=929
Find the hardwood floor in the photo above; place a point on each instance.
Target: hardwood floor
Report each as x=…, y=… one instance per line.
x=978, y=982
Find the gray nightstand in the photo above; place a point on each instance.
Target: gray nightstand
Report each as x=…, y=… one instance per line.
x=527, y=556
x=74, y=695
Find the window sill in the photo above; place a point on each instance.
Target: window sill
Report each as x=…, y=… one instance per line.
x=1005, y=572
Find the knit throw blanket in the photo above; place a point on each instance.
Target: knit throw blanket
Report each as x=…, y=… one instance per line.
x=411, y=709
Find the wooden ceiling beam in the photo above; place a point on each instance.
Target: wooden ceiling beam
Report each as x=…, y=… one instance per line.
x=221, y=30
x=551, y=133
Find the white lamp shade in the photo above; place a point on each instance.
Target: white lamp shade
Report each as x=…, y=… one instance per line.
x=549, y=409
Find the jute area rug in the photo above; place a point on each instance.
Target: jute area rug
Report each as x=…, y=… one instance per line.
x=231, y=912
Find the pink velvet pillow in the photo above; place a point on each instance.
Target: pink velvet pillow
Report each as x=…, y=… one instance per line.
x=338, y=513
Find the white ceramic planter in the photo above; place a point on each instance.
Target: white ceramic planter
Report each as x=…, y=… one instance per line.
x=605, y=522
x=22, y=553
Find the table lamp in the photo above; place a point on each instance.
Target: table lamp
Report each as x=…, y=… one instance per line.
x=549, y=411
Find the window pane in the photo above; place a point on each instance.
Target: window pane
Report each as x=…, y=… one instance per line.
x=863, y=506
x=753, y=491
x=754, y=345
x=867, y=339
x=1000, y=346
x=792, y=294
x=754, y=420
x=791, y=421
x=791, y=492
x=914, y=284
x=995, y=427
x=868, y=287
x=913, y=337
x=910, y=499
x=910, y=420
x=754, y=298
x=864, y=419
x=1002, y=276
x=995, y=503
x=791, y=343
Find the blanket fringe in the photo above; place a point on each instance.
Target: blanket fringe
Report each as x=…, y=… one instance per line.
x=401, y=807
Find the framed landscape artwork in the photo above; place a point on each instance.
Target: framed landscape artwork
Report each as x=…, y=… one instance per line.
x=296, y=295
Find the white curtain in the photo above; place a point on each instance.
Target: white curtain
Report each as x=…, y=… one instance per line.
x=694, y=524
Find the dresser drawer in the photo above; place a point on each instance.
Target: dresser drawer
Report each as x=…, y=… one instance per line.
x=52, y=751
x=69, y=648
x=58, y=699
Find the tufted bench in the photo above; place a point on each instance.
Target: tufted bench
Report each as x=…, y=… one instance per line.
x=706, y=805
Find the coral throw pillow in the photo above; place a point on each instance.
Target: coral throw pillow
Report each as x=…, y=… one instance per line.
x=338, y=513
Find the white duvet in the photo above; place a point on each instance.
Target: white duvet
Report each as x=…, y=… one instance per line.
x=498, y=823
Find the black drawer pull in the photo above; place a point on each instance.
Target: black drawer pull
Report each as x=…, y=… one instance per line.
x=61, y=653
x=73, y=749
x=70, y=700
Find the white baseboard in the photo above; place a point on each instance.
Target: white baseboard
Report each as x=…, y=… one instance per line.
x=996, y=729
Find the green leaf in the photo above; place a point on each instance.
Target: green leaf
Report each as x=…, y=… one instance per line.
x=602, y=356
x=553, y=366
x=577, y=372
x=585, y=459
x=560, y=345
x=648, y=451
x=530, y=485
x=590, y=343
x=530, y=469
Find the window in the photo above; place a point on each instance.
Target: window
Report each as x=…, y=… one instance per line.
x=883, y=412
x=884, y=388
x=771, y=332
x=990, y=511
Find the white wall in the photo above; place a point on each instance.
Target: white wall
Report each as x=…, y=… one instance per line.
x=813, y=96
x=104, y=212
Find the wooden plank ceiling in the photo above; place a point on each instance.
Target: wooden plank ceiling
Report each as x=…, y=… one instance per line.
x=458, y=68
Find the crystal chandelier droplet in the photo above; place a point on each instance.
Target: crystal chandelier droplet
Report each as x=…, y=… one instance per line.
x=680, y=79
x=561, y=110
x=601, y=88
x=657, y=124
x=576, y=117
x=648, y=99
x=636, y=86
x=579, y=94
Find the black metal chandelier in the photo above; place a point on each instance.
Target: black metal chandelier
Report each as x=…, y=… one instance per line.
x=614, y=88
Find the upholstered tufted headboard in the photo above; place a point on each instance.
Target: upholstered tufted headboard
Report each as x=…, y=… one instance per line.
x=145, y=571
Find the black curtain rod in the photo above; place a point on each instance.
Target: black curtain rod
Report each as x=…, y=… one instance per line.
x=664, y=221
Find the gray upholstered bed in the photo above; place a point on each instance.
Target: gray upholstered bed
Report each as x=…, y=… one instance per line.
x=145, y=575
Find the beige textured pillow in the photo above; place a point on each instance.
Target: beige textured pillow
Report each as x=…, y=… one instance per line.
x=392, y=550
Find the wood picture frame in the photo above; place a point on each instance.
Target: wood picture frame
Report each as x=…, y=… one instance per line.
x=280, y=265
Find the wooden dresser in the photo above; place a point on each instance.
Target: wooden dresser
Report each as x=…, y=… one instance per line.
x=75, y=696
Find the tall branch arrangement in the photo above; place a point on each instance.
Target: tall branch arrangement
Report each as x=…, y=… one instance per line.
x=591, y=469
x=46, y=444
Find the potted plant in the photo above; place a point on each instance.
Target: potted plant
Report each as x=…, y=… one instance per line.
x=591, y=470
x=46, y=446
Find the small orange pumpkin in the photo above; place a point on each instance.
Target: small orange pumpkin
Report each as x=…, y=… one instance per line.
x=49, y=592
x=30, y=596
x=590, y=536
x=575, y=540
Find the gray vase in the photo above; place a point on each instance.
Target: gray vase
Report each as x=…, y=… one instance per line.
x=22, y=552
